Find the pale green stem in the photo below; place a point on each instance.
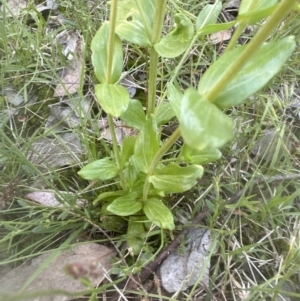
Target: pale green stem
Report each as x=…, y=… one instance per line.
x=158, y=22
x=274, y=20
x=158, y=156
x=110, y=52
x=116, y=150
x=111, y=37
x=159, y=16
x=152, y=81
x=235, y=36
x=179, y=66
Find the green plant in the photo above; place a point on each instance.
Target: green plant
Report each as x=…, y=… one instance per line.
x=139, y=165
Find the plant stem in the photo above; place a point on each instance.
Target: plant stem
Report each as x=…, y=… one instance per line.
x=110, y=51
x=111, y=37
x=158, y=156
x=235, y=36
x=152, y=81
x=178, y=67
x=158, y=22
x=116, y=150
x=282, y=10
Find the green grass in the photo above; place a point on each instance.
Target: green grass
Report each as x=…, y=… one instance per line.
x=256, y=238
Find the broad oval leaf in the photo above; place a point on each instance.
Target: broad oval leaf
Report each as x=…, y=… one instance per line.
x=103, y=169
x=258, y=71
x=178, y=40
x=113, y=99
x=99, y=55
x=208, y=15
x=174, y=178
x=194, y=156
x=134, y=115
x=146, y=145
x=202, y=124
x=125, y=205
x=159, y=214
x=134, y=25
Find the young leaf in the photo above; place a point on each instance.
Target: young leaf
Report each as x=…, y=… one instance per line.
x=125, y=205
x=202, y=124
x=174, y=178
x=99, y=55
x=127, y=149
x=194, y=156
x=114, y=99
x=134, y=115
x=103, y=169
x=208, y=15
x=262, y=66
x=159, y=214
x=134, y=25
x=178, y=40
x=146, y=145
x=130, y=175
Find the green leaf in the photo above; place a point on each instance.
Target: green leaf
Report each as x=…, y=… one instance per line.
x=103, y=169
x=175, y=97
x=254, y=16
x=134, y=25
x=194, y=156
x=134, y=232
x=134, y=115
x=202, y=124
x=146, y=145
x=212, y=28
x=113, y=99
x=127, y=149
x=261, y=67
x=247, y=6
x=164, y=113
x=159, y=214
x=208, y=15
x=110, y=221
x=178, y=40
x=174, y=178
x=130, y=175
x=109, y=196
x=99, y=55
x=125, y=205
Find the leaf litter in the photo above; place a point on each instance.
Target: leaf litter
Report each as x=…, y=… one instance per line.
x=73, y=44
x=89, y=260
